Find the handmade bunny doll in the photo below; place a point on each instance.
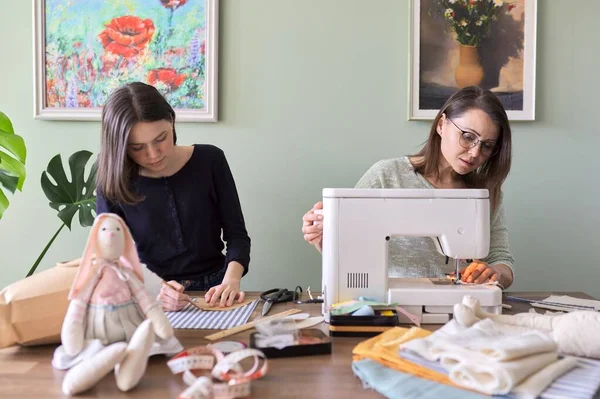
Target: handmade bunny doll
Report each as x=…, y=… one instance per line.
x=575, y=333
x=111, y=321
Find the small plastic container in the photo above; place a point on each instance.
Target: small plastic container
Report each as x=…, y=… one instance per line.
x=307, y=342
x=362, y=326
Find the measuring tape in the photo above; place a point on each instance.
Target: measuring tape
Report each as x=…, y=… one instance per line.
x=198, y=358
x=232, y=361
x=228, y=346
x=234, y=381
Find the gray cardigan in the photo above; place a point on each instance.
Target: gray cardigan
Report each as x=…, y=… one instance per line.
x=418, y=256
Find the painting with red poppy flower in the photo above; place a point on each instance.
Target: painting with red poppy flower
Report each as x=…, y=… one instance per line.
x=87, y=49
x=460, y=43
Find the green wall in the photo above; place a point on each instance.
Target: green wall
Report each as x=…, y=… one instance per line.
x=312, y=93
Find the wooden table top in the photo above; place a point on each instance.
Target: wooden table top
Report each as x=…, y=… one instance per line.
x=26, y=372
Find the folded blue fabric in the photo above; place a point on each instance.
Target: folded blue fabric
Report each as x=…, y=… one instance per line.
x=364, y=311
x=394, y=384
x=580, y=383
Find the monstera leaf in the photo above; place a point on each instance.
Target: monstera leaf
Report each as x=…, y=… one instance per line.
x=69, y=196
x=12, y=161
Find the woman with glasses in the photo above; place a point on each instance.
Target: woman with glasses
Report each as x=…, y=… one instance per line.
x=469, y=146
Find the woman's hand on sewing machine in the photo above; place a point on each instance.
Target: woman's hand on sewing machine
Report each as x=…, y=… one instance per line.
x=312, y=226
x=171, y=296
x=480, y=272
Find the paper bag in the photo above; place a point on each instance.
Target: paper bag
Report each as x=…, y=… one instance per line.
x=32, y=310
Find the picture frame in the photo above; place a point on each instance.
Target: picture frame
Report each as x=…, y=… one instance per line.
x=85, y=50
x=451, y=47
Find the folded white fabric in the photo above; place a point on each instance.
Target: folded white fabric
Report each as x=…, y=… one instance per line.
x=494, y=377
x=489, y=357
x=493, y=341
x=499, y=347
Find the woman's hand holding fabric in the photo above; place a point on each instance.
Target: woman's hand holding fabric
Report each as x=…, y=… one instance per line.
x=480, y=272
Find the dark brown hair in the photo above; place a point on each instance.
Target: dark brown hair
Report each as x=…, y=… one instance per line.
x=135, y=102
x=492, y=173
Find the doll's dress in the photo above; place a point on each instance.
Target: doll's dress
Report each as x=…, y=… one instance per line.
x=117, y=302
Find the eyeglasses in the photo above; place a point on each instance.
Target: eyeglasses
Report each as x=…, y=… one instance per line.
x=470, y=140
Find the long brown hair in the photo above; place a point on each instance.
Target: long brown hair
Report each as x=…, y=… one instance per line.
x=492, y=173
x=135, y=102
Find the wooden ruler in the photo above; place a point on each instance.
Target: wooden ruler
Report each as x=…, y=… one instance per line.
x=249, y=325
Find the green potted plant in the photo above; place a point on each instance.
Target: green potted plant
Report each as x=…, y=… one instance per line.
x=66, y=196
x=69, y=197
x=12, y=161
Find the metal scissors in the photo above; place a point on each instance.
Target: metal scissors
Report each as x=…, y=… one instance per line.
x=277, y=295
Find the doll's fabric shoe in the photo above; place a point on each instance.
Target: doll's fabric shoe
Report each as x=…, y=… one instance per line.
x=168, y=347
x=62, y=361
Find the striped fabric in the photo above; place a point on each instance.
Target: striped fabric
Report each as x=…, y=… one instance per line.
x=580, y=383
x=191, y=317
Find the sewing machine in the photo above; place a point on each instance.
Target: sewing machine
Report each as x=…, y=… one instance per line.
x=358, y=224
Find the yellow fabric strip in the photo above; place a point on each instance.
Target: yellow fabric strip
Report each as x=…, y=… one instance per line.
x=384, y=349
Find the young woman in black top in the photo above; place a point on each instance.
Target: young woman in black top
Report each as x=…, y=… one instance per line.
x=180, y=202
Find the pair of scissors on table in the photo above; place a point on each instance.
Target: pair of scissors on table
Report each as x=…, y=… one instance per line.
x=277, y=295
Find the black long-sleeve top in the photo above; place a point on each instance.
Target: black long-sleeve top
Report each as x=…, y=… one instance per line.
x=177, y=227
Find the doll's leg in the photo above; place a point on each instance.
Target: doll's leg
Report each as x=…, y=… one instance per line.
x=469, y=312
x=464, y=315
x=87, y=373
x=131, y=369
x=576, y=333
x=529, y=320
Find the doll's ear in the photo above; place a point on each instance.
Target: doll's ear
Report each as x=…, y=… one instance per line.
x=85, y=266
